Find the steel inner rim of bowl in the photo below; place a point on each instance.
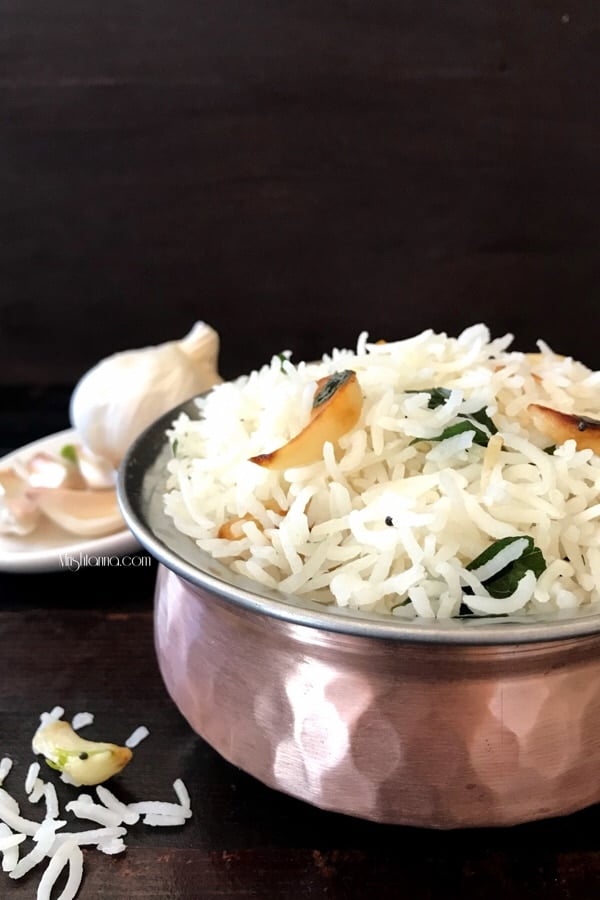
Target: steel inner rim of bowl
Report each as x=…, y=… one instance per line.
x=140, y=487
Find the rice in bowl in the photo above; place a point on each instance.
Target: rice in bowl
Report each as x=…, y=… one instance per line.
x=468, y=485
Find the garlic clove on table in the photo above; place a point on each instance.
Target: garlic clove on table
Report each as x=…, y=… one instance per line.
x=85, y=762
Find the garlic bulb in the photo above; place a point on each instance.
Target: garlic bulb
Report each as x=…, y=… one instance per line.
x=123, y=394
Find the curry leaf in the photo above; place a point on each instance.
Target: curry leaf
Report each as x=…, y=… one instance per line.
x=437, y=396
x=504, y=583
x=479, y=436
x=482, y=417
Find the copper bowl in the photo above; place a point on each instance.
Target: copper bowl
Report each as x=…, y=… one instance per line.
x=437, y=724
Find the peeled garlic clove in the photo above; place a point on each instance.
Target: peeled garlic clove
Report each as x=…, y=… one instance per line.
x=560, y=427
x=336, y=409
x=86, y=513
x=85, y=762
x=123, y=394
x=47, y=471
x=19, y=513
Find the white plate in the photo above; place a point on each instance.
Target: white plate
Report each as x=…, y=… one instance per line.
x=48, y=547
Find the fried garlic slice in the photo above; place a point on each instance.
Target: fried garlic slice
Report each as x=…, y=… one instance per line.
x=561, y=427
x=336, y=409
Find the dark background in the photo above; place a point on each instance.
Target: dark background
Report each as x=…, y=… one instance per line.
x=294, y=173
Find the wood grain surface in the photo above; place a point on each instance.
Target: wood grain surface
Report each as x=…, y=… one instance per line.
x=244, y=840
x=294, y=173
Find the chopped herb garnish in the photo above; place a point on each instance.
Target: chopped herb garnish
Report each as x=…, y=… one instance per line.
x=69, y=453
x=389, y=521
x=550, y=450
x=438, y=396
x=174, y=446
x=503, y=583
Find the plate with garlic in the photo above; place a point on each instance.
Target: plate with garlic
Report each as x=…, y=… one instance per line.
x=58, y=494
x=48, y=511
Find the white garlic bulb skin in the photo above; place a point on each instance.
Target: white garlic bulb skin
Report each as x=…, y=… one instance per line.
x=124, y=393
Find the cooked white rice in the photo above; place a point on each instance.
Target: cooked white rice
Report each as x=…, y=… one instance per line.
x=82, y=720
x=444, y=501
x=32, y=777
x=137, y=736
x=5, y=767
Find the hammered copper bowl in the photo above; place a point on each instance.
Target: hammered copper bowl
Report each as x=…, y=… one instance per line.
x=435, y=724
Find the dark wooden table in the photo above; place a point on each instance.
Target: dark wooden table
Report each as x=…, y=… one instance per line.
x=84, y=640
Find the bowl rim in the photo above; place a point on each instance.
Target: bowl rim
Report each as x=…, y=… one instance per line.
x=140, y=483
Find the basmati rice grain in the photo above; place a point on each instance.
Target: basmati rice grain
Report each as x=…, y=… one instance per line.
x=94, y=812
x=5, y=767
x=10, y=801
x=11, y=840
x=47, y=717
x=92, y=837
x=130, y=817
x=157, y=820
x=81, y=720
x=75, y=874
x=32, y=774
x=44, y=840
x=51, y=800
x=17, y=822
x=57, y=863
x=160, y=808
x=10, y=856
x=182, y=793
x=137, y=736
x=116, y=845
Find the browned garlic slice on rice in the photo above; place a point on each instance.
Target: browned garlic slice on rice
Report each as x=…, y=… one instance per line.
x=337, y=406
x=561, y=427
x=85, y=762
